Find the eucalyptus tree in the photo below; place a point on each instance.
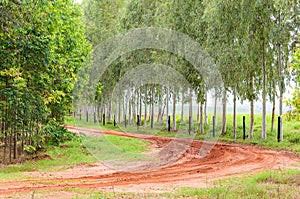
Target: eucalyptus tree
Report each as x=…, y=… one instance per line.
x=285, y=17
x=263, y=21
x=146, y=14
x=283, y=14
x=186, y=17
x=223, y=42
x=101, y=19
x=295, y=101
x=43, y=46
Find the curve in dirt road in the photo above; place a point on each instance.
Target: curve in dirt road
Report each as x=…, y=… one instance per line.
x=223, y=160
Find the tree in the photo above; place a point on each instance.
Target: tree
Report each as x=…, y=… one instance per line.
x=43, y=46
x=223, y=18
x=295, y=101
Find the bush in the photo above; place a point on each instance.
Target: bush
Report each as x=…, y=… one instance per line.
x=30, y=149
x=56, y=134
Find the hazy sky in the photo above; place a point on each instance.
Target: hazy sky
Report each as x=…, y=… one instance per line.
x=78, y=1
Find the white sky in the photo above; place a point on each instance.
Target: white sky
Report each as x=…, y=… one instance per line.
x=77, y=1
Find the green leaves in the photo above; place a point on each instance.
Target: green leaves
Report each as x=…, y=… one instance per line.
x=42, y=47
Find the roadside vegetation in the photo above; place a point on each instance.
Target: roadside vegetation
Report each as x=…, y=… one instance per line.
x=291, y=131
x=45, y=61
x=74, y=152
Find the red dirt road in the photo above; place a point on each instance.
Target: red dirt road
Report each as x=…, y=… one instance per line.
x=189, y=170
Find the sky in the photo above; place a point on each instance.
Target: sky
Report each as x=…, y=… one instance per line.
x=77, y=1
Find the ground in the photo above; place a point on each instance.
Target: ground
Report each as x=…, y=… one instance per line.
x=189, y=169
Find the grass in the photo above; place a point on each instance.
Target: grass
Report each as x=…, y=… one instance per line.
x=111, y=147
x=265, y=184
x=63, y=156
x=90, y=124
x=291, y=131
x=59, y=158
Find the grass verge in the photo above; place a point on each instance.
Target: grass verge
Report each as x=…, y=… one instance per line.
x=265, y=184
x=291, y=131
x=63, y=156
x=59, y=158
x=111, y=147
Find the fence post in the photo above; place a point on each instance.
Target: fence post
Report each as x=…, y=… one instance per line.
x=169, y=123
x=244, y=127
x=138, y=120
x=214, y=126
x=87, y=116
x=115, y=120
x=80, y=115
x=103, y=119
x=95, y=121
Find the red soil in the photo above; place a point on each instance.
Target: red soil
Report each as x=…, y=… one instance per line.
x=190, y=168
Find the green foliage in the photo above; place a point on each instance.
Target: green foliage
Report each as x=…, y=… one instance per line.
x=42, y=47
x=63, y=156
x=30, y=149
x=295, y=101
x=56, y=134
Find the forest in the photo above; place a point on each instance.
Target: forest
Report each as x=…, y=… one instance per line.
x=48, y=47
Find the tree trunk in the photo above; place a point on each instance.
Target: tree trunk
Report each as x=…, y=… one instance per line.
x=198, y=111
x=201, y=119
x=140, y=112
x=150, y=110
x=174, y=111
x=263, y=133
x=251, y=108
x=205, y=110
x=129, y=106
x=145, y=112
x=234, y=113
x=15, y=131
x=280, y=78
x=251, y=119
x=152, y=107
x=124, y=110
x=182, y=107
x=119, y=111
x=159, y=116
x=134, y=106
x=162, y=113
x=167, y=107
x=104, y=111
x=109, y=109
x=215, y=105
x=280, y=87
x=273, y=111
x=190, y=111
x=191, y=106
x=224, y=113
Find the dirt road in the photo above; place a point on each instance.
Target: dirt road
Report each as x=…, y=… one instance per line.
x=190, y=169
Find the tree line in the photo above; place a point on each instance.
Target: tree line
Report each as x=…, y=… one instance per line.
x=250, y=41
x=45, y=44
x=42, y=47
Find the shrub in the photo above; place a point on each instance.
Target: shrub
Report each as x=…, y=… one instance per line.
x=56, y=134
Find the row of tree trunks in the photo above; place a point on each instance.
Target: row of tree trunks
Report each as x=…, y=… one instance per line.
x=134, y=106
